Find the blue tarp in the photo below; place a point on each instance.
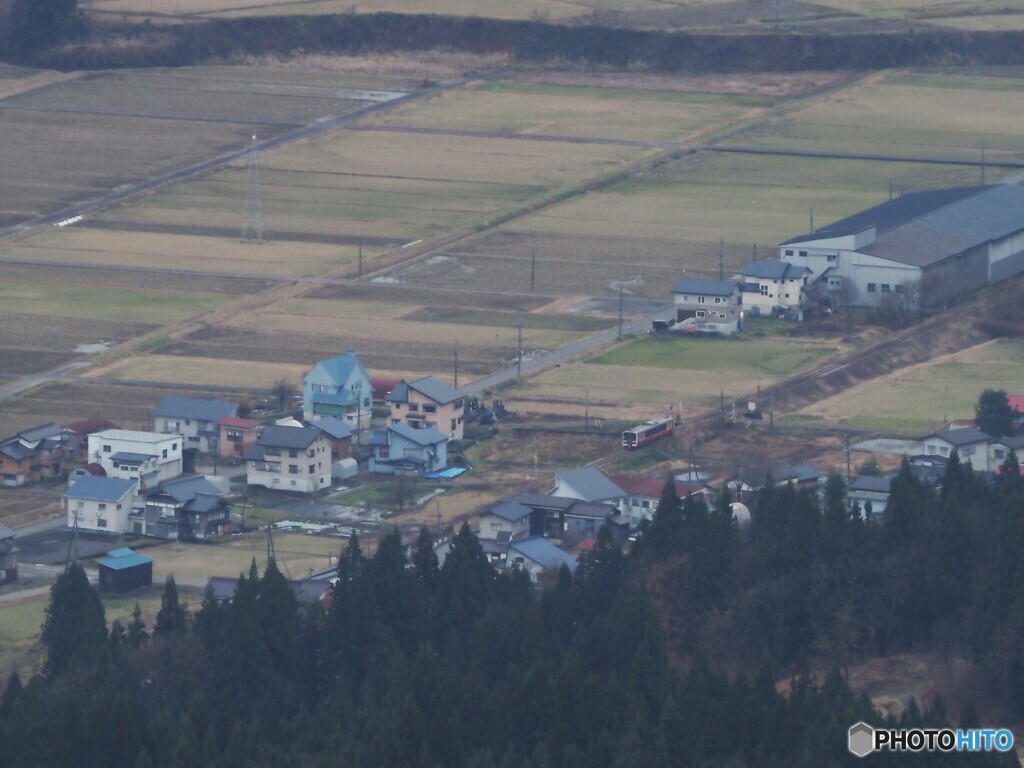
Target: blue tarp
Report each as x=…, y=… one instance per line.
x=446, y=473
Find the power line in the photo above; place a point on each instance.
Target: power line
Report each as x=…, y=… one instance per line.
x=255, y=209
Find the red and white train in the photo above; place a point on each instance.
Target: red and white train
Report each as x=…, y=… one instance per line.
x=644, y=433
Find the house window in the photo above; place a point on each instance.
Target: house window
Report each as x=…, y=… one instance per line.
x=293, y=469
x=885, y=288
x=764, y=290
x=457, y=404
x=700, y=299
x=174, y=446
x=803, y=253
x=430, y=408
x=106, y=449
x=188, y=423
x=789, y=252
x=414, y=406
x=100, y=522
x=787, y=295
x=718, y=299
x=701, y=313
x=310, y=453
x=103, y=507
x=899, y=288
x=385, y=451
x=292, y=453
x=831, y=257
x=871, y=287
x=453, y=424
x=999, y=453
x=165, y=453
x=312, y=469
x=271, y=451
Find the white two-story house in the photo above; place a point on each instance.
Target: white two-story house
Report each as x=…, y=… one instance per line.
x=708, y=306
x=428, y=402
x=771, y=286
x=195, y=419
x=290, y=459
x=100, y=503
x=149, y=458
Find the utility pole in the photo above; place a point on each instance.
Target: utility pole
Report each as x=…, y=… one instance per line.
x=586, y=409
x=360, y=261
x=846, y=448
x=519, y=356
x=890, y=188
x=255, y=211
x=456, y=363
x=620, y=311
x=812, y=220
x=983, y=163
x=945, y=403
x=533, y=268
x=721, y=258
x=497, y=354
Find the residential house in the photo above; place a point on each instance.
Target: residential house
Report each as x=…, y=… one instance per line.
x=1016, y=403
x=771, y=287
x=428, y=402
x=237, y=435
x=339, y=435
x=505, y=517
x=78, y=436
x=587, y=484
x=290, y=459
x=15, y=462
x=402, y=450
x=100, y=503
x=8, y=554
x=537, y=555
x=923, y=248
x=869, y=489
x=124, y=570
x=33, y=454
x=149, y=458
x=584, y=519
x=751, y=482
x=339, y=387
x=189, y=508
x=195, y=419
x=644, y=493
x=708, y=306
x=549, y=512
x=970, y=444
x=307, y=592
x=382, y=386
x=999, y=448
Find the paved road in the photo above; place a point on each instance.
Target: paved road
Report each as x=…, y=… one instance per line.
x=558, y=356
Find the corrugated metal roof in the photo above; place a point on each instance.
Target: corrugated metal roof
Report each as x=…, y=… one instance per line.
x=428, y=436
x=768, y=269
x=200, y=409
x=959, y=437
x=543, y=552
x=94, y=488
x=288, y=437
x=590, y=483
x=341, y=368
x=127, y=457
x=333, y=427
x=509, y=510
x=123, y=563
x=705, y=287
x=436, y=390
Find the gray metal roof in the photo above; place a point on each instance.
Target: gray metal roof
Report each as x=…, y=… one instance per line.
x=277, y=436
x=509, y=510
x=41, y=432
x=205, y=409
x=184, y=489
x=705, y=287
x=871, y=483
x=890, y=214
x=768, y=269
x=333, y=427
x=960, y=437
x=100, y=488
x=590, y=483
x=543, y=552
x=16, y=449
x=428, y=436
x=127, y=457
x=5, y=532
x=435, y=389
x=540, y=501
x=590, y=509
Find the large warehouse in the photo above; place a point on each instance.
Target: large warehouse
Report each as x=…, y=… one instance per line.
x=924, y=247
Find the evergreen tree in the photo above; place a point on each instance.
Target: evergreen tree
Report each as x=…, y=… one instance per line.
x=993, y=414
x=173, y=616
x=137, y=629
x=35, y=23
x=425, y=559
x=75, y=630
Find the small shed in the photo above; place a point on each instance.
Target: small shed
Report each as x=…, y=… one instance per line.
x=125, y=569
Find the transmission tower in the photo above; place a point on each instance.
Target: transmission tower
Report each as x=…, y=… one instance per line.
x=255, y=210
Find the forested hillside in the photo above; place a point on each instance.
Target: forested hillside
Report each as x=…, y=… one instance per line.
x=428, y=666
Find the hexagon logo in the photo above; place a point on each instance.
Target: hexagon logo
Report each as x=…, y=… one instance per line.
x=861, y=739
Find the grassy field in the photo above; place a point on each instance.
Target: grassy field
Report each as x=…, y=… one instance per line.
x=648, y=377
x=916, y=400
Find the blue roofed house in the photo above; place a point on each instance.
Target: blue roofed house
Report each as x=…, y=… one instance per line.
x=708, y=306
x=971, y=445
x=193, y=418
x=402, y=450
x=587, y=484
x=770, y=286
x=428, y=402
x=339, y=387
x=100, y=503
x=537, y=555
x=505, y=517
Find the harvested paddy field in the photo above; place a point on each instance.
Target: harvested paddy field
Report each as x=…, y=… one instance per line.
x=913, y=114
x=919, y=399
x=24, y=507
x=81, y=138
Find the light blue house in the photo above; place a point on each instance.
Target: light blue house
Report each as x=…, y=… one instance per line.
x=339, y=387
x=402, y=450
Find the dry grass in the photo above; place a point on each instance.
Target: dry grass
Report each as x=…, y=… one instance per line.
x=916, y=399
x=200, y=371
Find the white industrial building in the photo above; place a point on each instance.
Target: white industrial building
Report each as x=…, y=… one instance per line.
x=923, y=248
x=146, y=457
